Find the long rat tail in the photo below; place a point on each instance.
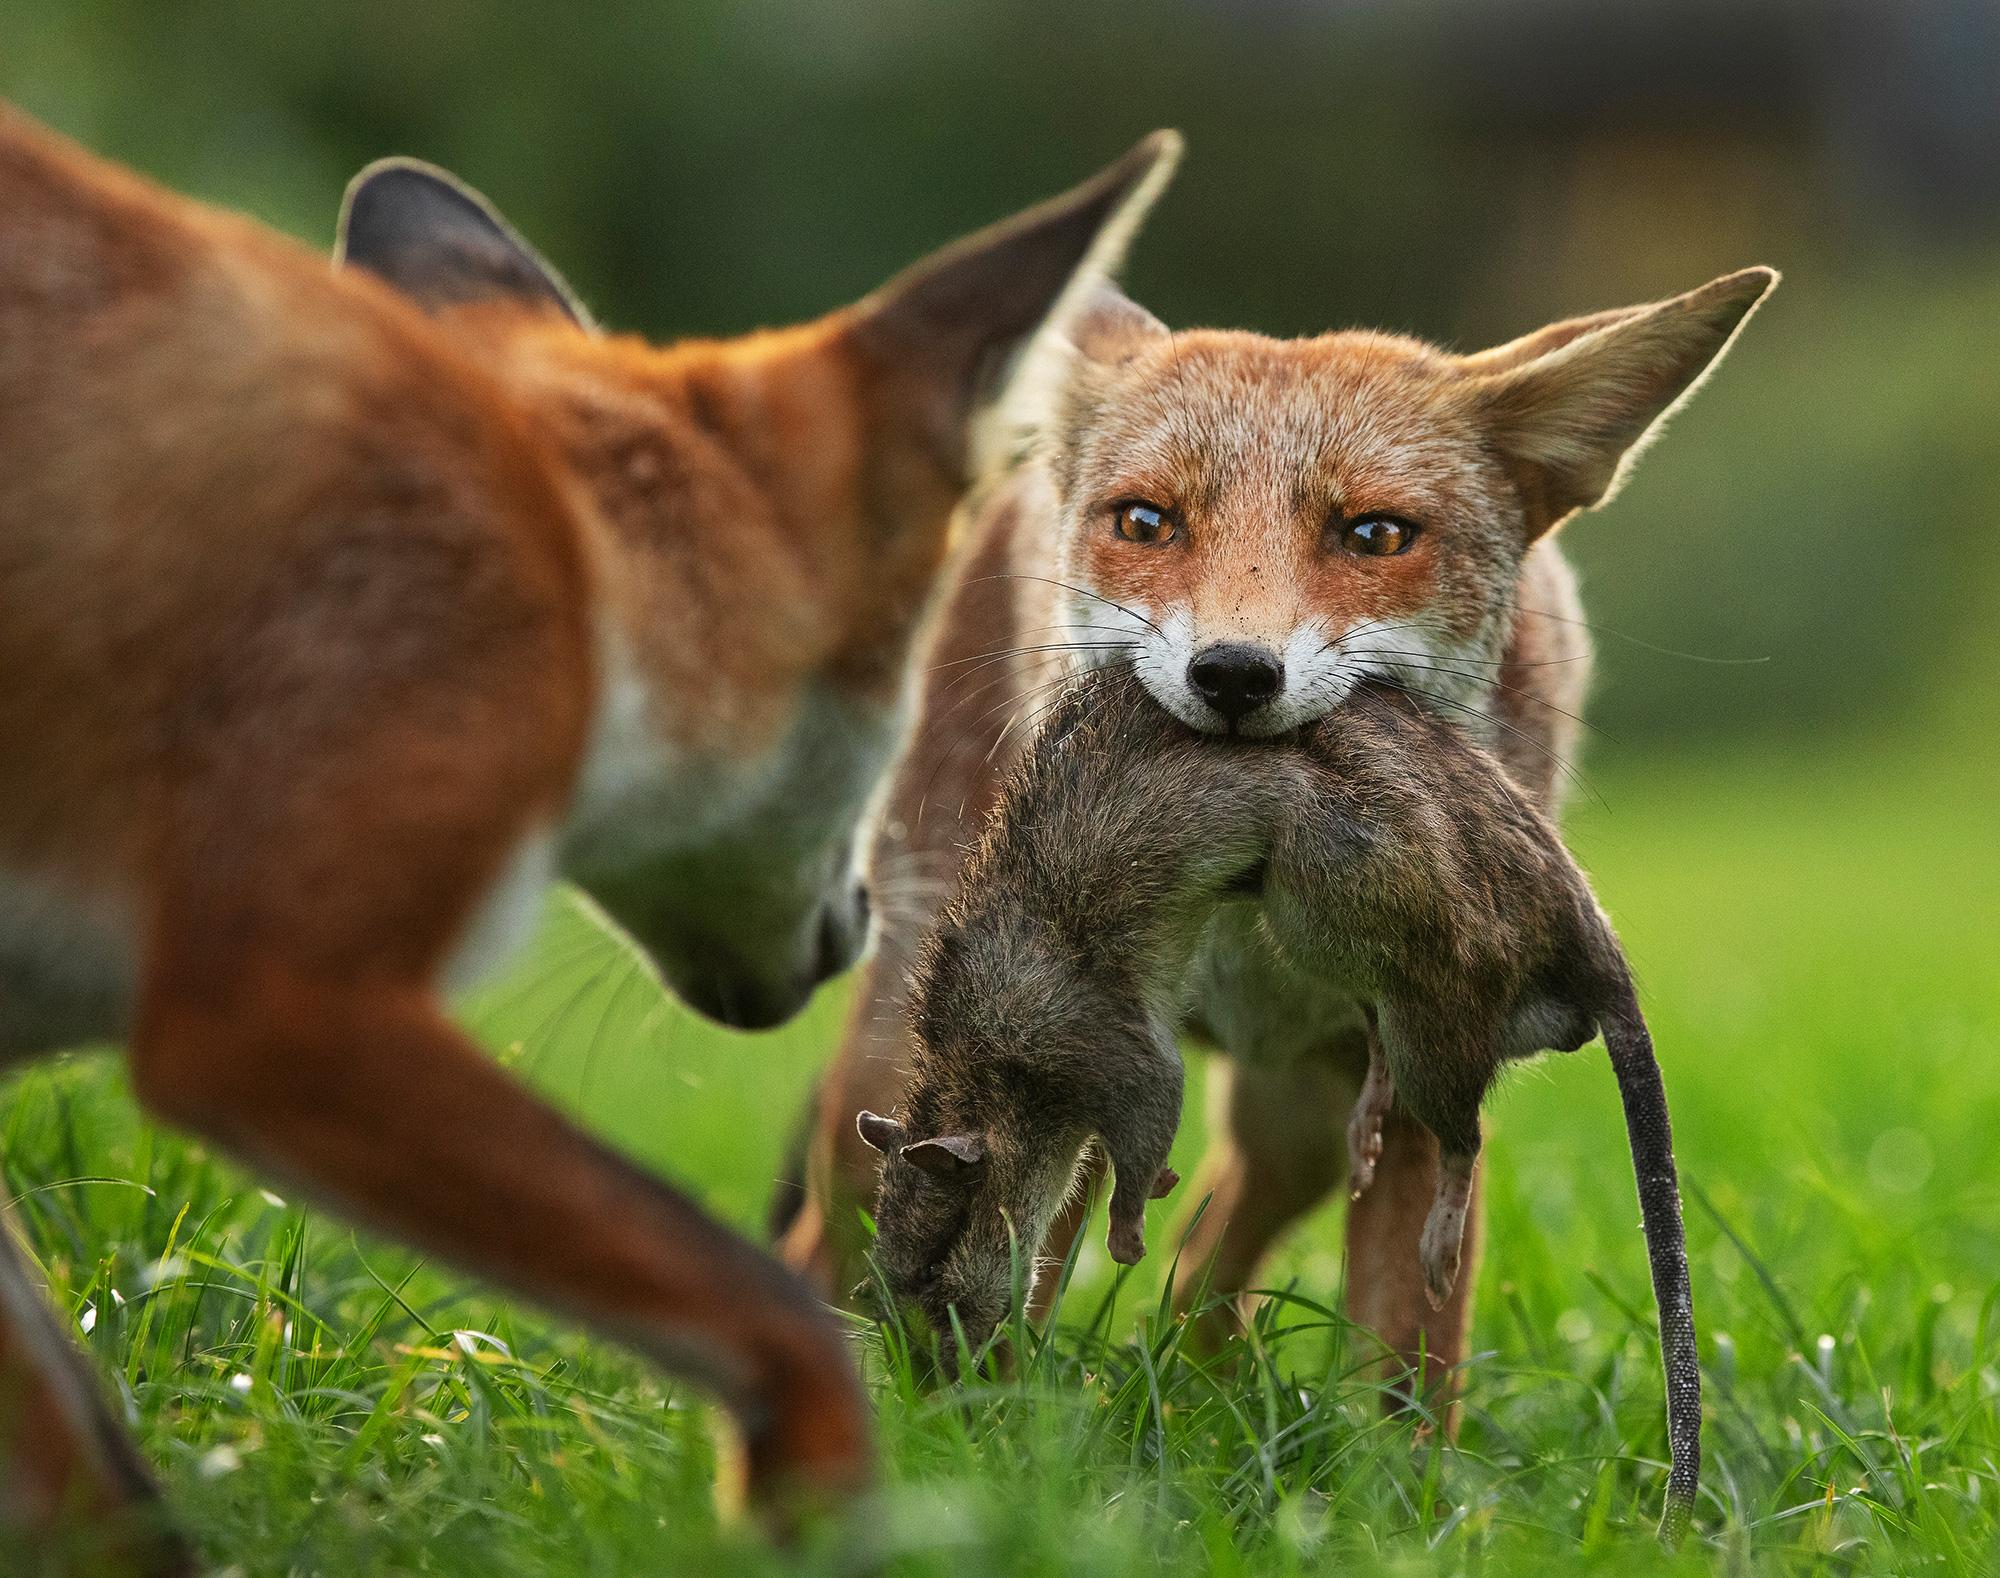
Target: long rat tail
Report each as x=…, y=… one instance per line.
x=1652, y=1142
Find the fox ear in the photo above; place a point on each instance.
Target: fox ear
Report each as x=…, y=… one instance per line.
x=947, y=1155
x=1108, y=326
x=1574, y=404
x=957, y=321
x=1104, y=328
x=440, y=243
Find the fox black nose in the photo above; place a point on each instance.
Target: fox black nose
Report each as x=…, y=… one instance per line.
x=1235, y=678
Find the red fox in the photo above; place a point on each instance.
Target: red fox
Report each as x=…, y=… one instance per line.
x=1256, y=526
x=341, y=609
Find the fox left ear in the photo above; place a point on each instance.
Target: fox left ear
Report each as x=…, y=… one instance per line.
x=441, y=244
x=956, y=323
x=1575, y=404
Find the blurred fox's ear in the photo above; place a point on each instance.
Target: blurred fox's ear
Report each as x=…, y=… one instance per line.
x=1574, y=404
x=947, y=1155
x=440, y=243
x=884, y=1134
x=956, y=322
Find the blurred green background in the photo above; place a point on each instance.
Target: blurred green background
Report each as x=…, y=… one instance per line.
x=1462, y=170
x=1790, y=795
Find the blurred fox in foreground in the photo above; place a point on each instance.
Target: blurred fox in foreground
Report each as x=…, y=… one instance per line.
x=340, y=610
x=1255, y=527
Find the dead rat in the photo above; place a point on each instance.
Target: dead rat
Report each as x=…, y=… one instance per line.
x=1387, y=852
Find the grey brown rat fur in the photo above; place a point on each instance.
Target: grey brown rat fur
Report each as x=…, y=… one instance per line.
x=1385, y=851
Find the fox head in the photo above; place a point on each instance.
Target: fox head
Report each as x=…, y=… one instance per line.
x=1258, y=524
x=770, y=517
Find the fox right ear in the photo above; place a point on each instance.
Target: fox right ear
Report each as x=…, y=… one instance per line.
x=1573, y=405
x=440, y=243
x=959, y=319
x=1098, y=327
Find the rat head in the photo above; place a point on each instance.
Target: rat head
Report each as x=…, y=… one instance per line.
x=965, y=1204
x=965, y=1207
x=770, y=517
x=1020, y=1065
x=1267, y=521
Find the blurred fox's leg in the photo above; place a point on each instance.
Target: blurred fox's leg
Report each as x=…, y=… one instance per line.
x=824, y=1240
x=1385, y=1269
x=74, y=1492
x=1275, y=1152
x=316, y=872
x=362, y=1094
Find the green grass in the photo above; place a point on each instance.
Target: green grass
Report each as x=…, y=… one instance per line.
x=1816, y=938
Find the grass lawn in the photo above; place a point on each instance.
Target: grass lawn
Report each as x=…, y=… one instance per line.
x=1816, y=938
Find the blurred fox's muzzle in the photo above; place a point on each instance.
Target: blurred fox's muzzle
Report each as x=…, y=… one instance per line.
x=745, y=996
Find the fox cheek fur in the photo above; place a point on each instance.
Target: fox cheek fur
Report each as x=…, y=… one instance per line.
x=1249, y=605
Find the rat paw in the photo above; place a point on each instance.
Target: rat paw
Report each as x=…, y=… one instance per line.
x=1364, y=1149
x=1444, y=1233
x=1440, y=1277
x=1127, y=1243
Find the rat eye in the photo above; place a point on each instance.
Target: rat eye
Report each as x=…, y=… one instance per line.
x=1146, y=523
x=1377, y=536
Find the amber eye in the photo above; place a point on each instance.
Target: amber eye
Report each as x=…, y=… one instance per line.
x=1146, y=523
x=1377, y=536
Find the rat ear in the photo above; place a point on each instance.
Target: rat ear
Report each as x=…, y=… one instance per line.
x=946, y=1155
x=441, y=244
x=884, y=1134
x=1573, y=405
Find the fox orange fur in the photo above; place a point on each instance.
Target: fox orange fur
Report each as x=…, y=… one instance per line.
x=341, y=609
x=1256, y=526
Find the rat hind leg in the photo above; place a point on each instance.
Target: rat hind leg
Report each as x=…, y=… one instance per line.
x=1440, y=1079
x=1386, y=1285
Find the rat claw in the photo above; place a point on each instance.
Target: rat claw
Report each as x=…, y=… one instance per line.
x=1364, y=1149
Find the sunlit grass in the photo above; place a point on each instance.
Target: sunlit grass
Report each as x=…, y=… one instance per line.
x=1817, y=949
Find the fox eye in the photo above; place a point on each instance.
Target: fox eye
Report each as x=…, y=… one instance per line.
x=1377, y=536
x=1146, y=523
